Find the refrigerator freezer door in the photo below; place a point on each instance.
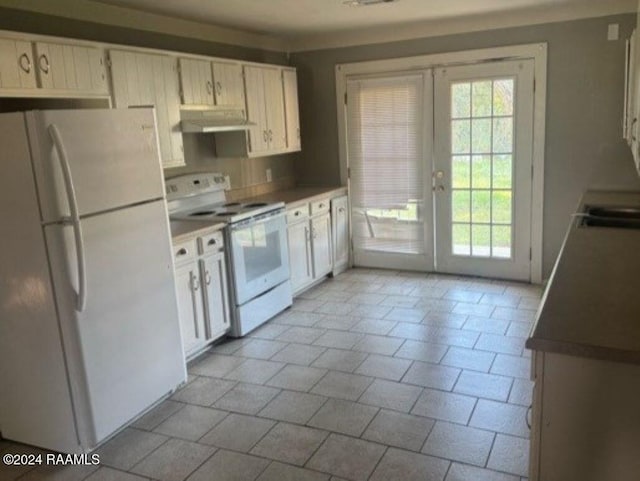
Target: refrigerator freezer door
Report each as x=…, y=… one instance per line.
x=112, y=156
x=124, y=350
x=35, y=402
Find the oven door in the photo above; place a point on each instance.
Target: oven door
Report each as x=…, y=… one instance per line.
x=259, y=255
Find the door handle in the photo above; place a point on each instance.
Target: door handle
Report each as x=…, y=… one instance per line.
x=81, y=300
x=209, y=87
x=218, y=88
x=207, y=278
x=44, y=67
x=24, y=66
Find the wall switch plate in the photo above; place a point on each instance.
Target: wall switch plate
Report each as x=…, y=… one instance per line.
x=613, y=32
x=269, y=176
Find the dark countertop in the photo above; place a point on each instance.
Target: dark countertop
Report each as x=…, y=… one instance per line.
x=591, y=307
x=299, y=195
x=182, y=230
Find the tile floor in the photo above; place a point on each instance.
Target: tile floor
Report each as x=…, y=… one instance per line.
x=373, y=375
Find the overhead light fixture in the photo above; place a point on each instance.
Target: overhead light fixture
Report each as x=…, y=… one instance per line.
x=365, y=3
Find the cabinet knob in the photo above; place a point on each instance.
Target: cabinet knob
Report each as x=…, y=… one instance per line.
x=218, y=88
x=527, y=416
x=209, y=87
x=24, y=62
x=182, y=252
x=43, y=63
x=211, y=242
x=341, y=209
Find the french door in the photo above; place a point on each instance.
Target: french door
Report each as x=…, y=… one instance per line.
x=482, y=168
x=440, y=169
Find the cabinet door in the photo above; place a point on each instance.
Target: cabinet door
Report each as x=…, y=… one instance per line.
x=321, y=245
x=255, y=95
x=196, y=81
x=216, y=299
x=17, y=68
x=299, y=255
x=228, y=87
x=148, y=80
x=340, y=232
x=290, y=86
x=274, y=98
x=190, y=309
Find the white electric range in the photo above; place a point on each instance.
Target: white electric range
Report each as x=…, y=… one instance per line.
x=256, y=238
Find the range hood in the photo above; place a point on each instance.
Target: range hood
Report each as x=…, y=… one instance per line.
x=211, y=121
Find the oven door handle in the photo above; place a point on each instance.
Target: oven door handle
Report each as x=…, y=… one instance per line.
x=257, y=220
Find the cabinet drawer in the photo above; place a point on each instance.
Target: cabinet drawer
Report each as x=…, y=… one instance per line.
x=211, y=243
x=184, y=251
x=320, y=206
x=299, y=213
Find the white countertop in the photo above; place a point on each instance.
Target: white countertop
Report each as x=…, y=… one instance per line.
x=591, y=307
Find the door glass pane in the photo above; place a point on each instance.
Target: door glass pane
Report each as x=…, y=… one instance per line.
x=482, y=215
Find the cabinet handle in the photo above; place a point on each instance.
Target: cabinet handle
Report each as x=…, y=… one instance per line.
x=265, y=135
x=209, y=87
x=218, y=88
x=195, y=283
x=526, y=416
x=207, y=278
x=21, y=61
x=633, y=135
x=270, y=135
x=182, y=252
x=211, y=242
x=45, y=67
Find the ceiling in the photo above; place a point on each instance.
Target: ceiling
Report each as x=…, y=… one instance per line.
x=299, y=18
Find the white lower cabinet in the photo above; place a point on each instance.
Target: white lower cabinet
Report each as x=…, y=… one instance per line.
x=310, y=244
x=202, y=291
x=340, y=231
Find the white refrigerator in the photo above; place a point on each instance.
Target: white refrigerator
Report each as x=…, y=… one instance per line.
x=89, y=332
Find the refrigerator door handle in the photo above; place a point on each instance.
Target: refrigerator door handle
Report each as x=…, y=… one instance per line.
x=74, y=219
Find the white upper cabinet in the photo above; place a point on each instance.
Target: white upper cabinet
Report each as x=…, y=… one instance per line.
x=69, y=67
x=196, y=82
x=148, y=80
x=228, y=85
x=292, y=115
x=17, y=70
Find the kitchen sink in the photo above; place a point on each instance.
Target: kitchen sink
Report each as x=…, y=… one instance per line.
x=624, y=217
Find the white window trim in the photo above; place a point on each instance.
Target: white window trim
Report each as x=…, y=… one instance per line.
x=536, y=51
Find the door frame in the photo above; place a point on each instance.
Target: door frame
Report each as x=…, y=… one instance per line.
x=535, y=51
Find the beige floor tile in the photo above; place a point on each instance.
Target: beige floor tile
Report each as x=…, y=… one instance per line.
x=237, y=432
x=50, y=472
x=346, y=457
x=298, y=318
x=464, y=472
x=463, y=295
x=337, y=322
x=486, y=325
x=468, y=359
x=270, y=330
x=173, y=461
x=203, y=391
x=510, y=314
x=519, y=329
x=303, y=335
x=500, y=417
x=445, y=406
x=191, y=422
x=295, y=407
x=334, y=308
x=109, y=474
x=297, y=378
x=230, y=466
x=384, y=367
x=342, y=385
x=400, y=300
x=482, y=385
x=216, y=365
x=374, y=326
x=255, y=371
x=399, y=430
x=343, y=417
x=299, y=354
x=501, y=300
x=128, y=448
x=470, y=309
x=391, y=395
x=260, y=348
x=510, y=454
x=459, y=443
x=246, y=398
x=521, y=392
x=290, y=443
x=284, y=472
x=431, y=375
x=338, y=339
x=422, y=351
x=514, y=366
x=369, y=311
x=500, y=344
x=404, y=314
x=340, y=360
x=378, y=345
x=158, y=414
x=400, y=465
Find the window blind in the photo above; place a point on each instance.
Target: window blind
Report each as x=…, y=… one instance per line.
x=385, y=123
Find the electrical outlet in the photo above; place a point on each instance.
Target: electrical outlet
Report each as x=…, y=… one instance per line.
x=269, y=176
x=613, y=32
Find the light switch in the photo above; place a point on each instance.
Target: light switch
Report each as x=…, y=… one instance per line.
x=613, y=33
